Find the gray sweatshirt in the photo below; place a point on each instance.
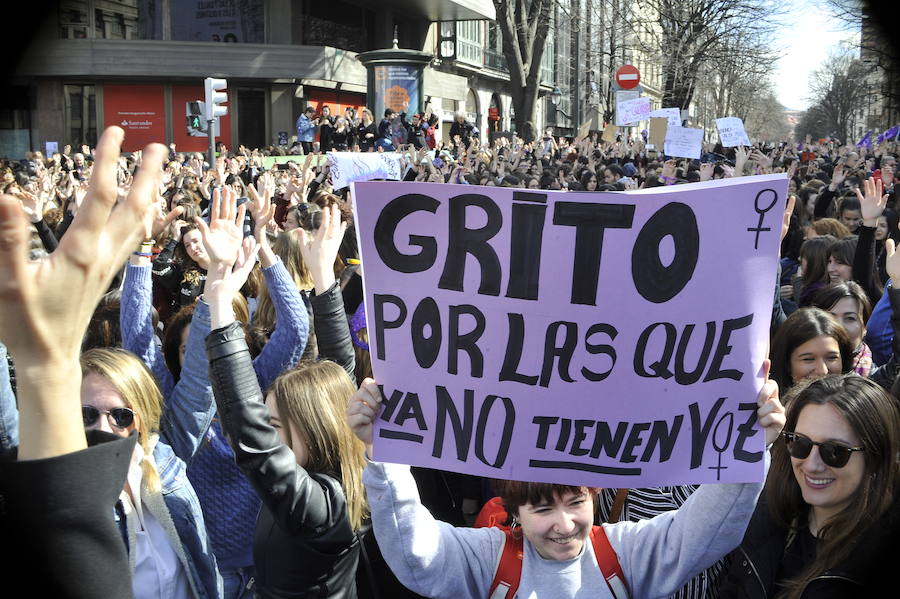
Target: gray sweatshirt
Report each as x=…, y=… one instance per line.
x=657, y=556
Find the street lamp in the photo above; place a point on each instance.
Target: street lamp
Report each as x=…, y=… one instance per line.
x=555, y=96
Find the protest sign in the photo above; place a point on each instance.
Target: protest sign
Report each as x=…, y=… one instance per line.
x=347, y=167
x=570, y=337
x=683, y=142
x=632, y=111
x=731, y=132
x=672, y=115
x=658, y=128
x=609, y=133
x=270, y=161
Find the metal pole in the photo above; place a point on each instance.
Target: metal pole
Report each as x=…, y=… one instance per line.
x=212, y=144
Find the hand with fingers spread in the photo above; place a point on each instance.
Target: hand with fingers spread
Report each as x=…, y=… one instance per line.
x=32, y=204
x=740, y=159
x=837, y=177
x=262, y=209
x=45, y=306
x=231, y=256
x=872, y=202
x=320, y=248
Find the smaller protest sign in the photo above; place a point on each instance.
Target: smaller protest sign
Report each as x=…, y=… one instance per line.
x=684, y=142
x=51, y=148
x=584, y=129
x=347, y=167
x=632, y=111
x=658, y=128
x=609, y=133
x=732, y=132
x=672, y=115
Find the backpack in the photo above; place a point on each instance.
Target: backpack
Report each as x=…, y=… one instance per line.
x=509, y=565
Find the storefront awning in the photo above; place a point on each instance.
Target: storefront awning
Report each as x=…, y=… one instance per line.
x=447, y=10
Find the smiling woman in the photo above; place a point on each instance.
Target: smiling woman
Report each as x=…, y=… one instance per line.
x=830, y=499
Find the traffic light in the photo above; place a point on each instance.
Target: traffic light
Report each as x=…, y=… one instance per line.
x=215, y=98
x=195, y=116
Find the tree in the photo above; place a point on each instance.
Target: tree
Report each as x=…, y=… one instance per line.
x=813, y=123
x=687, y=36
x=838, y=89
x=524, y=25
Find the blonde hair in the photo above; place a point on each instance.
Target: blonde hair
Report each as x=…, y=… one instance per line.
x=313, y=397
x=136, y=386
x=286, y=247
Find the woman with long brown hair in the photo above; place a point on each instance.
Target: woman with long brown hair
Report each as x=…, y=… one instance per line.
x=830, y=497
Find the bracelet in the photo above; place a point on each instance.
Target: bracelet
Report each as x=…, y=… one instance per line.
x=143, y=254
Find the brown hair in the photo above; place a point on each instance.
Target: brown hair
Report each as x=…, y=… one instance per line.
x=514, y=494
x=830, y=226
x=874, y=417
x=313, y=397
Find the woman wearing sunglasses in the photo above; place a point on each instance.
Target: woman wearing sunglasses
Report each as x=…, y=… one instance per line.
x=158, y=511
x=826, y=521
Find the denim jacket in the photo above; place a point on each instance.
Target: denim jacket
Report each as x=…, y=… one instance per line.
x=306, y=129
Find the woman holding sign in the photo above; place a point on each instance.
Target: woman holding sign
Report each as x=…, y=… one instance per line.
x=829, y=518
x=652, y=558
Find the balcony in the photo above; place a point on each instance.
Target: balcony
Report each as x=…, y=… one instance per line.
x=495, y=60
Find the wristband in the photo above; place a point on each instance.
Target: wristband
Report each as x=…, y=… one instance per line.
x=143, y=254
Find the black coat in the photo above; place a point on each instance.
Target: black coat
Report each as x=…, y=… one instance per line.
x=304, y=544
x=57, y=518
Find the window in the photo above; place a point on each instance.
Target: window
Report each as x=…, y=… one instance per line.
x=470, y=42
x=80, y=114
x=110, y=19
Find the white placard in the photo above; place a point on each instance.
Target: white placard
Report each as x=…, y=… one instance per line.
x=732, y=132
x=684, y=142
x=50, y=148
x=673, y=114
x=347, y=167
x=632, y=111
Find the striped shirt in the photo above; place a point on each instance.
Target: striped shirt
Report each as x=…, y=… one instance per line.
x=643, y=504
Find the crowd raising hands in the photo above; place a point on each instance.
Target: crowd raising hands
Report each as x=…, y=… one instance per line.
x=189, y=407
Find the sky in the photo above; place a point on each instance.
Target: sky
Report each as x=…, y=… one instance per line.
x=808, y=35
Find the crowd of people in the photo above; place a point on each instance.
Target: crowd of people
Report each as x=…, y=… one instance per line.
x=213, y=316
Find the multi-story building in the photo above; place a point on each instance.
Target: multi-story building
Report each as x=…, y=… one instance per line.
x=136, y=63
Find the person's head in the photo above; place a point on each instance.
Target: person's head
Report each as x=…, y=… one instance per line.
x=460, y=117
x=849, y=305
x=835, y=466
x=556, y=519
x=175, y=339
x=119, y=395
x=840, y=259
x=850, y=214
x=814, y=259
x=589, y=180
x=310, y=111
x=367, y=116
x=388, y=113
x=827, y=226
x=887, y=225
x=809, y=344
x=612, y=173
x=306, y=406
x=326, y=110
x=192, y=247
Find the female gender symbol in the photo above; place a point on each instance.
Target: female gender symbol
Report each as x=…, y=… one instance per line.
x=719, y=444
x=762, y=214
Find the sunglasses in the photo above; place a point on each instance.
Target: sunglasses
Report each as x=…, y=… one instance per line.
x=833, y=454
x=121, y=417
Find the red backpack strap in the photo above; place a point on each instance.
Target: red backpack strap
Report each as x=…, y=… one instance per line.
x=609, y=563
x=509, y=567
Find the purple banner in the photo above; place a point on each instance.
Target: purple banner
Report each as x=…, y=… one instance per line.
x=606, y=339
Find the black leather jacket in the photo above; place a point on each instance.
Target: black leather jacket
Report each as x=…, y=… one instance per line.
x=304, y=545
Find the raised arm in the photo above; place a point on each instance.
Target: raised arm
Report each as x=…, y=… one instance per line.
x=319, y=251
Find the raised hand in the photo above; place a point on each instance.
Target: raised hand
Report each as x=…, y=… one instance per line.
x=872, y=202
x=32, y=205
x=770, y=414
x=892, y=260
x=320, y=249
x=263, y=212
x=45, y=306
x=837, y=177
x=223, y=236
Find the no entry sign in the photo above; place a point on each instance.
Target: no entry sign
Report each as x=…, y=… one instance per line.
x=628, y=76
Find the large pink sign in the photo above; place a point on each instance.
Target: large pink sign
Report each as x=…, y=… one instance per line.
x=606, y=339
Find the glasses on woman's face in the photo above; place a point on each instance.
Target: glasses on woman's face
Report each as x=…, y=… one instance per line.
x=119, y=417
x=832, y=453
